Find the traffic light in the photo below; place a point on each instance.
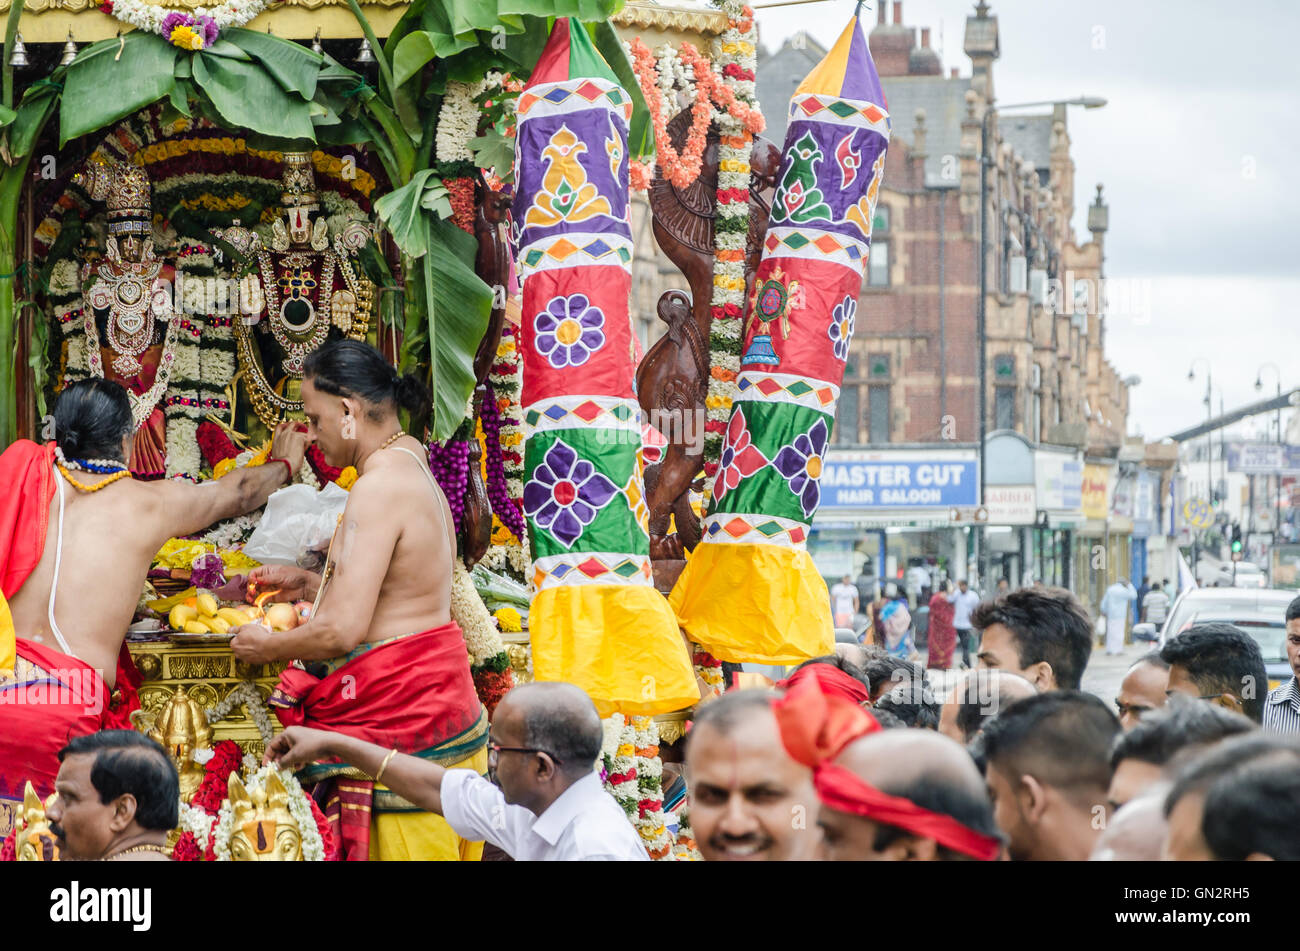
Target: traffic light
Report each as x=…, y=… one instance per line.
x=1236, y=538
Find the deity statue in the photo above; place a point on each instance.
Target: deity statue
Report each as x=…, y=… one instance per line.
x=36, y=843
x=263, y=830
x=131, y=338
x=181, y=728
x=305, y=288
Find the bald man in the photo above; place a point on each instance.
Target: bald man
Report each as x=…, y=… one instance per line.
x=1136, y=832
x=979, y=697
x=750, y=802
x=1142, y=689
x=547, y=802
x=942, y=790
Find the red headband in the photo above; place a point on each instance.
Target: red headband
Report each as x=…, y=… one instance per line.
x=831, y=680
x=842, y=790
x=816, y=726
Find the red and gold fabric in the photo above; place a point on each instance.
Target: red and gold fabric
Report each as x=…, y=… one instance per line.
x=413, y=693
x=596, y=619
x=750, y=592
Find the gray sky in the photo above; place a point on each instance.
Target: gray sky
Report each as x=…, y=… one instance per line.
x=1194, y=148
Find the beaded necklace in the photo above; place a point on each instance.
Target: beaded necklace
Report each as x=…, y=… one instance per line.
x=82, y=487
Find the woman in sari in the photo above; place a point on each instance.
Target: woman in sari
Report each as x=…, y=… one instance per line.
x=943, y=636
x=897, y=623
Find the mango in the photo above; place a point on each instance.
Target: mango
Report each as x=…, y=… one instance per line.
x=233, y=616
x=207, y=605
x=196, y=627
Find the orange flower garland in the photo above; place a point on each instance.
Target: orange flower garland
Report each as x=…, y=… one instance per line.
x=718, y=92
x=681, y=169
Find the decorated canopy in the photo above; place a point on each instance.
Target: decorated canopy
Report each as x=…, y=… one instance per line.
x=596, y=619
x=751, y=591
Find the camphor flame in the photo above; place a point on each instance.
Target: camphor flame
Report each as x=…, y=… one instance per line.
x=259, y=602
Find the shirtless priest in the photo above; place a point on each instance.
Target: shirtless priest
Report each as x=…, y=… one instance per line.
x=77, y=535
x=380, y=658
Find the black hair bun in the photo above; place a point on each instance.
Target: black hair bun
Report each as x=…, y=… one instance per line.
x=411, y=394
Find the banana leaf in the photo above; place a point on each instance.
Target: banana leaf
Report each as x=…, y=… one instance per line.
x=102, y=86
x=7, y=116
x=246, y=96
x=460, y=305
x=34, y=111
x=403, y=214
x=640, y=133
x=294, y=67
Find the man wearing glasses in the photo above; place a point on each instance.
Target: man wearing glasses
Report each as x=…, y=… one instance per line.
x=1219, y=663
x=544, y=800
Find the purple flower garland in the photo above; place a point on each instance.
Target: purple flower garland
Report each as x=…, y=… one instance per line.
x=505, y=508
x=450, y=466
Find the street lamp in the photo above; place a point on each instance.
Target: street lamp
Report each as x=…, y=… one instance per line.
x=1087, y=102
x=1277, y=478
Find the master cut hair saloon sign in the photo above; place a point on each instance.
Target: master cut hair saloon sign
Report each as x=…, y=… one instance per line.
x=898, y=481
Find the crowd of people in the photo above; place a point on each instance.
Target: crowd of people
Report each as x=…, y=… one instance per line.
x=851, y=757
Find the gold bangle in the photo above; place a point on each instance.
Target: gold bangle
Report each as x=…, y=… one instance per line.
x=384, y=765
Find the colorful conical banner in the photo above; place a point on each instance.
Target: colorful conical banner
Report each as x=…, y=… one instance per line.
x=751, y=592
x=596, y=619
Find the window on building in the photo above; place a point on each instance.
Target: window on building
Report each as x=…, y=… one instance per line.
x=878, y=264
x=847, y=414
x=878, y=366
x=1004, y=368
x=878, y=414
x=1004, y=407
x=1036, y=432
x=880, y=221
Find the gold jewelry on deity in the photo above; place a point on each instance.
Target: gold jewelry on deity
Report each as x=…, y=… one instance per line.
x=142, y=405
x=384, y=765
x=145, y=847
x=298, y=325
x=82, y=487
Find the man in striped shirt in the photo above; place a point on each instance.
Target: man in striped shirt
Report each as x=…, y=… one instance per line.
x=1282, y=708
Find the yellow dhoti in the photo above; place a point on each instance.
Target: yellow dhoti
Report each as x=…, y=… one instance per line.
x=398, y=836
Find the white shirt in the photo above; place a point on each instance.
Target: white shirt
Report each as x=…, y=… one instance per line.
x=584, y=824
x=962, y=606
x=1115, y=602
x=843, y=594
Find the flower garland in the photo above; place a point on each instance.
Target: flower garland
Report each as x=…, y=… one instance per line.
x=194, y=31
x=247, y=694
x=482, y=639
x=504, y=505
x=509, y=548
x=684, y=168
x=650, y=821
x=684, y=848
x=449, y=464
x=709, y=669
x=198, y=816
x=311, y=823
x=618, y=753
x=737, y=126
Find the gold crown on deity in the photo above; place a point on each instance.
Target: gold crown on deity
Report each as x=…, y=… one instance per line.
x=299, y=181
x=125, y=189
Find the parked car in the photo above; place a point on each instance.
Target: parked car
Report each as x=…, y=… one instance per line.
x=1261, y=613
x=1247, y=575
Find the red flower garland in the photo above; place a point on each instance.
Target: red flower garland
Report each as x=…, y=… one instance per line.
x=9, y=851
x=215, y=444
x=491, y=686
x=461, y=191
x=324, y=471
x=186, y=849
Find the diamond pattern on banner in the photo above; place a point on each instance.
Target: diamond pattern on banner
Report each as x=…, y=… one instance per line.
x=602, y=412
x=592, y=568
x=787, y=388
x=752, y=530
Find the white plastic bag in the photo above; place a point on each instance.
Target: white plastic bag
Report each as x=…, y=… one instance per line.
x=297, y=520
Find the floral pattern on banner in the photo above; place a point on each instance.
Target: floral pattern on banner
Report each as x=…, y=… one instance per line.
x=569, y=331
x=800, y=463
x=566, y=493
x=740, y=457
x=841, y=328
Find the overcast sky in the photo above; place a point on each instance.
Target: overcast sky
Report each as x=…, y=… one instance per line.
x=1194, y=147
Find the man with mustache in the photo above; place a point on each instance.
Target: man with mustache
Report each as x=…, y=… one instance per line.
x=749, y=800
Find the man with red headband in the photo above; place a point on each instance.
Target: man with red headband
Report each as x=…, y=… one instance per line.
x=749, y=800
x=893, y=795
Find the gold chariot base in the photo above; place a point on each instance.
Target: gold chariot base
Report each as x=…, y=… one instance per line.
x=208, y=673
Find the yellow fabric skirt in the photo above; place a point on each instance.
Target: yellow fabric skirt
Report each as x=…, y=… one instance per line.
x=423, y=836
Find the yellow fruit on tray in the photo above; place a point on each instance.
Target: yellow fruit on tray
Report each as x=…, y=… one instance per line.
x=179, y=615
x=207, y=605
x=219, y=625
x=195, y=627
x=233, y=616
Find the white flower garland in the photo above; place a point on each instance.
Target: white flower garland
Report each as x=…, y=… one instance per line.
x=508, y=385
x=183, y=457
x=619, y=748
x=247, y=694
x=313, y=847
x=64, y=278
x=146, y=16
x=651, y=826
x=457, y=122
x=729, y=276
x=482, y=638
x=233, y=531
x=78, y=368
x=197, y=822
